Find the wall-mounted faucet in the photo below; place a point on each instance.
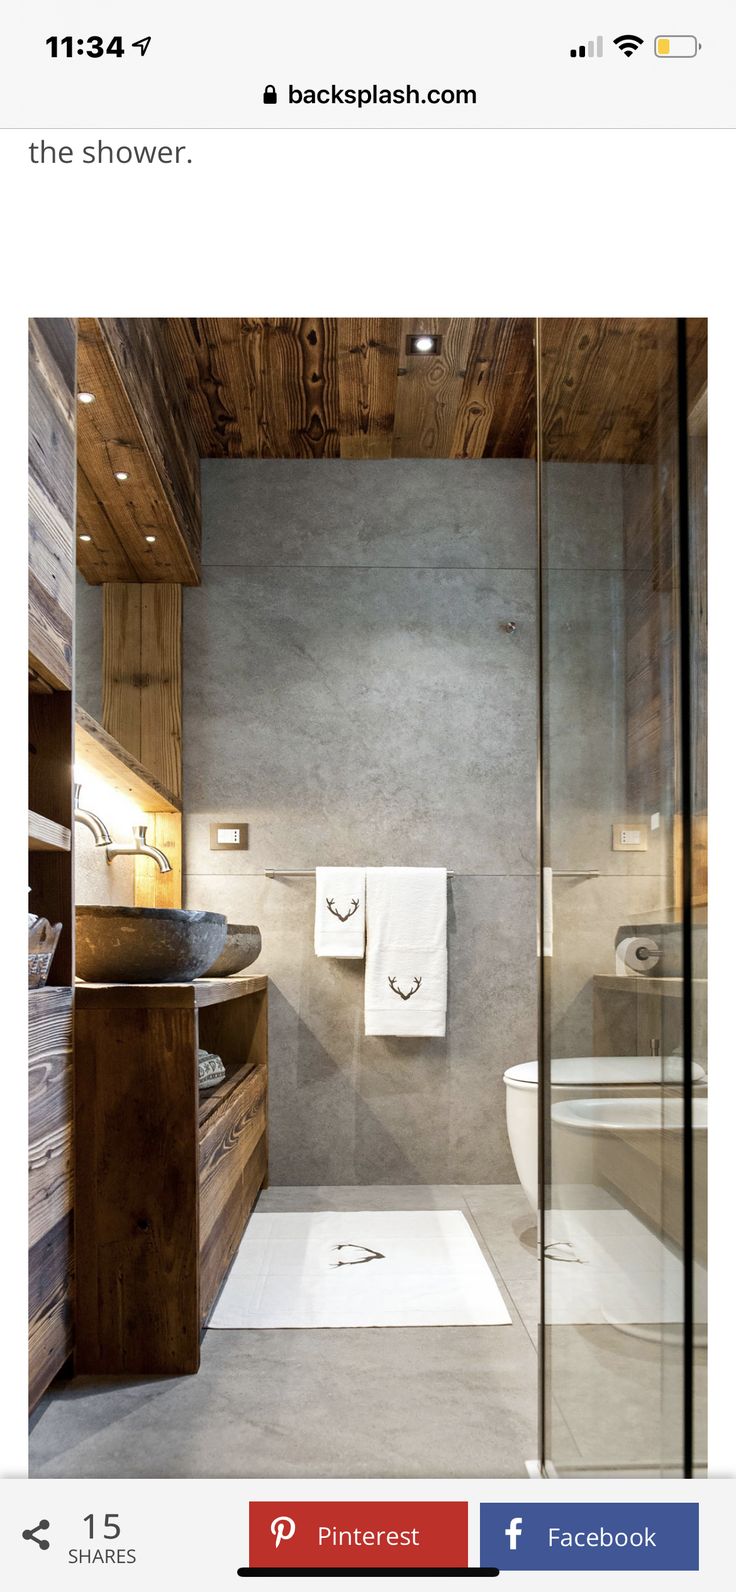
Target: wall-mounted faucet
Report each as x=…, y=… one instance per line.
x=82, y=815
x=140, y=849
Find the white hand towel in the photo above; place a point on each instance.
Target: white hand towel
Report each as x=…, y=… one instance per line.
x=339, y=916
x=406, y=964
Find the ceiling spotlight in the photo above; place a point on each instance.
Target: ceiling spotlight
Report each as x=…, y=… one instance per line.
x=121, y=475
x=86, y=397
x=150, y=538
x=423, y=343
x=85, y=538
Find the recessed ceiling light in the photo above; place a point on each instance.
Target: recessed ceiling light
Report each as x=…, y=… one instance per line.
x=85, y=538
x=121, y=475
x=423, y=343
x=150, y=538
x=86, y=397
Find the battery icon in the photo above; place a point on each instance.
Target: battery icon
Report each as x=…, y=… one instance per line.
x=676, y=46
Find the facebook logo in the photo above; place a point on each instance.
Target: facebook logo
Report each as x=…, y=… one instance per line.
x=567, y=1536
x=513, y=1531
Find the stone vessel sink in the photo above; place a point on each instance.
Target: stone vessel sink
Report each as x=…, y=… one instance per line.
x=242, y=946
x=147, y=945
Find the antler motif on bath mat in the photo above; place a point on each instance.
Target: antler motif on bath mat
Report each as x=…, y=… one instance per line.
x=343, y=916
x=367, y=1255
x=397, y=991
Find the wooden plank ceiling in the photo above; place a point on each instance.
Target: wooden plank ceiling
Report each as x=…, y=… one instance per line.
x=327, y=389
x=171, y=391
x=310, y=389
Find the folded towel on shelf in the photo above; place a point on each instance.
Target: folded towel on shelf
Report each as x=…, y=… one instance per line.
x=339, y=916
x=406, y=961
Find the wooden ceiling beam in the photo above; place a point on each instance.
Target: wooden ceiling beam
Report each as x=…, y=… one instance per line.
x=136, y=426
x=103, y=557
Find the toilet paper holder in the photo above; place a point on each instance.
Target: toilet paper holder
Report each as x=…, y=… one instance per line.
x=637, y=955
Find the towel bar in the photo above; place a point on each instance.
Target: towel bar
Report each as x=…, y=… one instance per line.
x=307, y=873
x=301, y=873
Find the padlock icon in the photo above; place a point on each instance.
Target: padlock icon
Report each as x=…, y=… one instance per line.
x=270, y=97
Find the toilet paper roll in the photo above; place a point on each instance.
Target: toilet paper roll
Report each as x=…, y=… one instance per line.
x=637, y=955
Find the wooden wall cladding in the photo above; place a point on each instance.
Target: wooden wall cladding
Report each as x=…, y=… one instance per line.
x=322, y=388
x=136, y=426
x=51, y=499
x=141, y=675
x=50, y=1185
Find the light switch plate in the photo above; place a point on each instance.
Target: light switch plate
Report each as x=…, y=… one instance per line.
x=232, y=835
x=629, y=834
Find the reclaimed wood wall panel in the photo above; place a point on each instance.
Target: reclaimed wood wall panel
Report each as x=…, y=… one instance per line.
x=151, y=887
x=161, y=683
x=135, y=425
x=51, y=498
x=50, y=1185
x=142, y=675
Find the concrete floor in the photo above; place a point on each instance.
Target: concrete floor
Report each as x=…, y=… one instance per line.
x=415, y=1401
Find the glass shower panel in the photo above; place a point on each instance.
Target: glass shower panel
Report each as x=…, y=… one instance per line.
x=621, y=1093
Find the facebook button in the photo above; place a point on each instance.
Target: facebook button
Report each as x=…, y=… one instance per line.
x=589, y=1536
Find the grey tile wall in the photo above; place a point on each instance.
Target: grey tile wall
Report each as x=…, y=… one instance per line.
x=350, y=690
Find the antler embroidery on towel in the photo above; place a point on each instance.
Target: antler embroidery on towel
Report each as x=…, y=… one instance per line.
x=397, y=991
x=343, y=916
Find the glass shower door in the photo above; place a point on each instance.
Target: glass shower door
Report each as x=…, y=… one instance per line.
x=621, y=468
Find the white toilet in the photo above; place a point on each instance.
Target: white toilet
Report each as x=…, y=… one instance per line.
x=576, y=1078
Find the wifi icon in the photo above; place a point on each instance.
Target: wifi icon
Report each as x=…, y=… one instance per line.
x=627, y=43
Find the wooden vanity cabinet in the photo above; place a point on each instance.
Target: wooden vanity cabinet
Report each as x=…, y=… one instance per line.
x=166, y=1178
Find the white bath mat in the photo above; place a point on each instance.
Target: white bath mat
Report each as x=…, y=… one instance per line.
x=359, y=1269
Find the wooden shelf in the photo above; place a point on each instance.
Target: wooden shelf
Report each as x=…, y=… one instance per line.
x=201, y=992
x=110, y=760
x=45, y=835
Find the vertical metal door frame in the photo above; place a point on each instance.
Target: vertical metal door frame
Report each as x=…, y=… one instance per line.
x=542, y=1059
x=685, y=728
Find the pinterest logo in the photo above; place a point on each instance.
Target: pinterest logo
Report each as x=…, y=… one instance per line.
x=283, y=1528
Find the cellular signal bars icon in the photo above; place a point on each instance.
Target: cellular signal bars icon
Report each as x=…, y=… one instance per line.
x=593, y=47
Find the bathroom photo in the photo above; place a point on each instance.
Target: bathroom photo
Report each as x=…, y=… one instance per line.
x=367, y=897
